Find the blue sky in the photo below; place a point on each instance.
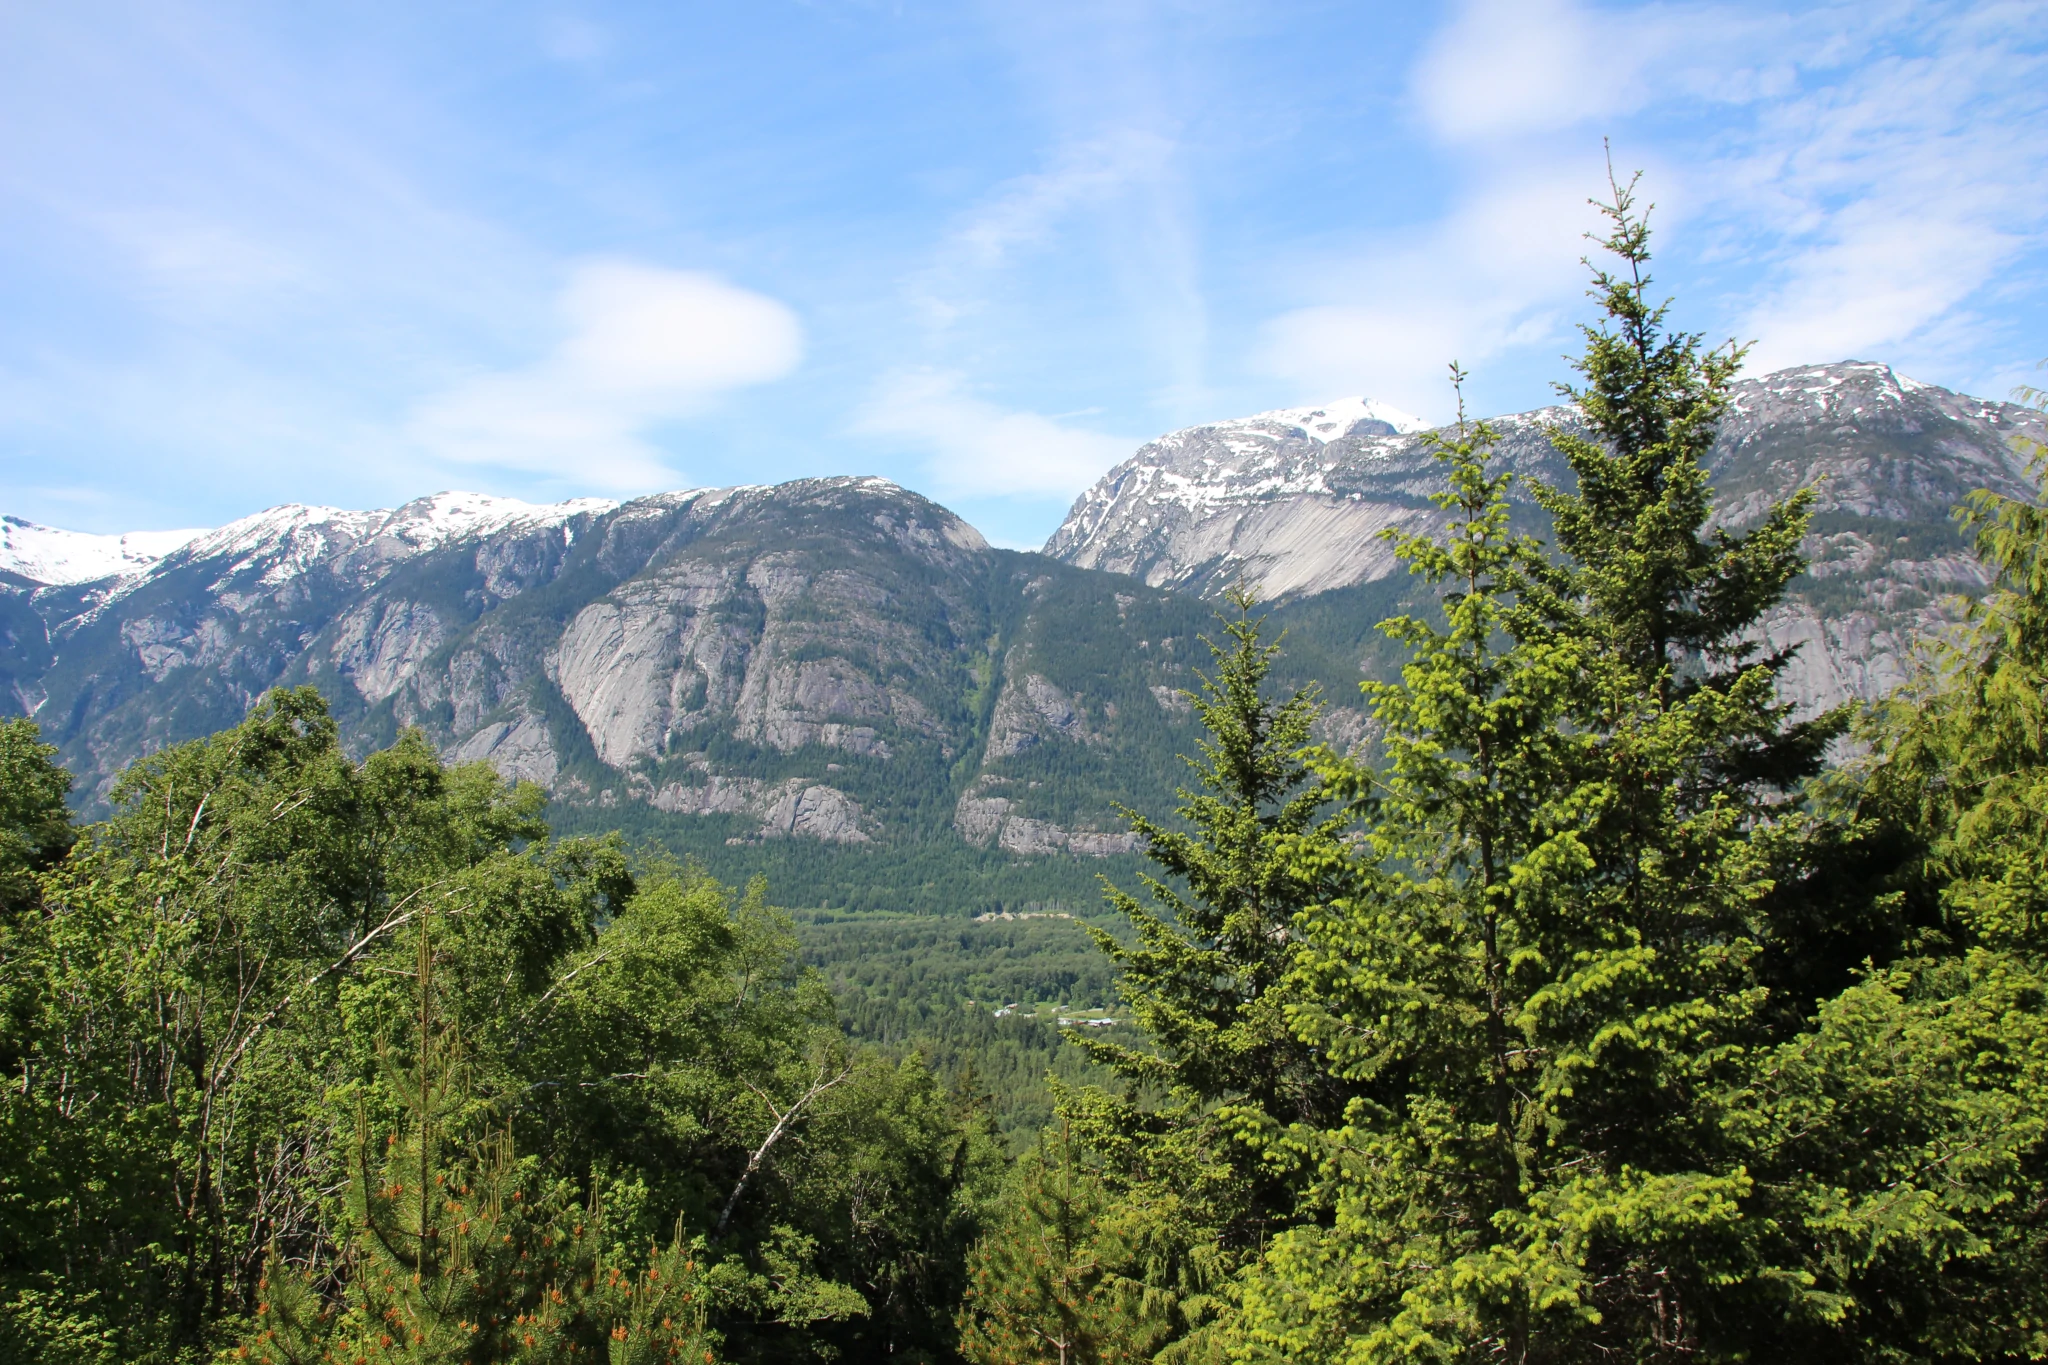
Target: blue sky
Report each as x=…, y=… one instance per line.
x=256, y=253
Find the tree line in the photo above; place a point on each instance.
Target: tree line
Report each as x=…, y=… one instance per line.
x=1601, y=1009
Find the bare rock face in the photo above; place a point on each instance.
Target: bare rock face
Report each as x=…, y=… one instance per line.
x=1297, y=512
x=1031, y=711
x=379, y=645
x=520, y=750
x=651, y=656
x=984, y=819
x=795, y=807
x=815, y=811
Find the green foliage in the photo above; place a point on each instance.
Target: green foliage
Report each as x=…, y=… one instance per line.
x=931, y=986
x=1541, y=979
x=215, y=1021
x=35, y=823
x=1201, y=978
x=1178, y=1172
x=1054, y=1286
x=447, y=1257
x=1901, y=1143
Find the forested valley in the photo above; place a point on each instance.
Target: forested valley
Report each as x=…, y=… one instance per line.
x=1599, y=1008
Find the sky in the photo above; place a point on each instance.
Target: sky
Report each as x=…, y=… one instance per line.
x=356, y=253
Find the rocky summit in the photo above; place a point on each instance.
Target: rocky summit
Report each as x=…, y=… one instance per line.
x=1298, y=508
x=842, y=682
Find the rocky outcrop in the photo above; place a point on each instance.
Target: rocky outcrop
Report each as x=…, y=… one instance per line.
x=984, y=818
x=1031, y=711
x=380, y=644
x=1298, y=511
x=519, y=749
x=795, y=807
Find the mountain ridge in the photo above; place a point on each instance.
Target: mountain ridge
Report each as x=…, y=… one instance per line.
x=839, y=681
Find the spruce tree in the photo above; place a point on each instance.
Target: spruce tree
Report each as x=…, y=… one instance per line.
x=1201, y=981
x=1189, y=1162
x=1541, y=978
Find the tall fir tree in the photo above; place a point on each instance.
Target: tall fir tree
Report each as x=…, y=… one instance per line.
x=1203, y=978
x=1542, y=976
x=1190, y=1161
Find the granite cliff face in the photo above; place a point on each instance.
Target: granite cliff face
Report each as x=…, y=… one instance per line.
x=1298, y=512
x=834, y=675
x=835, y=661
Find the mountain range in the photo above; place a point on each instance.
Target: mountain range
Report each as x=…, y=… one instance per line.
x=841, y=683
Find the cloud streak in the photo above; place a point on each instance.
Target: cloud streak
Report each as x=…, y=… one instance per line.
x=641, y=346
x=975, y=448
x=1852, y=179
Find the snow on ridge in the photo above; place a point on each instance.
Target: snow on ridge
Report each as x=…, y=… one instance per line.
x=443, y=517
x=1324, y=423
x=49, y=555
x=1332, y=420
x=423, y=524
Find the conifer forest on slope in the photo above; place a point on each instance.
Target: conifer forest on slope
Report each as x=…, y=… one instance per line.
x=1601, y=1007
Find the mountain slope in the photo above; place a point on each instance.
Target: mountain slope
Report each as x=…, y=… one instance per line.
x=839, y=683
x=1299, y=515
x=743, y=674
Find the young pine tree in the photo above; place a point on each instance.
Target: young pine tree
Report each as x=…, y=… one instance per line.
x=1050, y=1289
x=459, y=1253
x=1541, y=979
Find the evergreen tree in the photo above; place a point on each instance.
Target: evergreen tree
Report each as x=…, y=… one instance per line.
x=1901, y=1144
x=1542, y=976
x=1050, y=1289
x=1190, y=1161
x=461, y=1253
x=1203, y=978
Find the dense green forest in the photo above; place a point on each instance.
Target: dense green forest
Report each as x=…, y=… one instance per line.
x=1602, y=1010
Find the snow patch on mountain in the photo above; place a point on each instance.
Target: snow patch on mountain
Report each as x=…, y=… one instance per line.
x=46, y=554
x=1334, y=420
x=296, y=535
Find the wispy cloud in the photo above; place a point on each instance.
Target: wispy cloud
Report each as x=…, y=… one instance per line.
x=1027, y=214
x=1496, y=273
x=1899, y=187
x=1854, y=176
x=975, y=448
x=1509, y=69
x=641, y=345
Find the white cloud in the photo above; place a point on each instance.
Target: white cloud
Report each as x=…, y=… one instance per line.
x=1882, y=282
x=1862, y=176
x=1893, y=193
x=974, y=448
x=1026, y=212
x=643, y=345
x=1508, y=68
x=1495, y=274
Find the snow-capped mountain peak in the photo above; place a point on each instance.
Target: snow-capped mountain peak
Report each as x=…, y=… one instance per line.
x=1333, y=420
x=286, y=538
x=46, y=554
